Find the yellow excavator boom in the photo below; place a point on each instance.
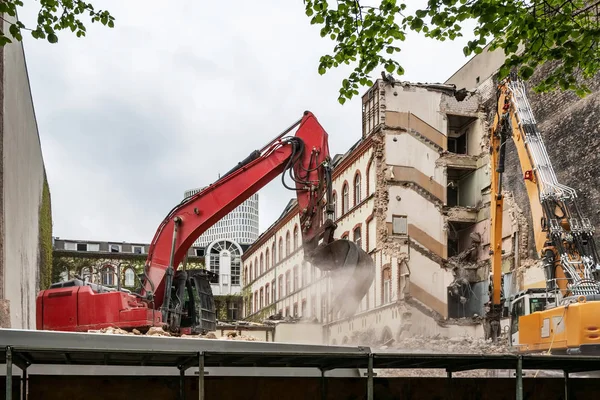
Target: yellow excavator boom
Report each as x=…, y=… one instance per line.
x=565, y=315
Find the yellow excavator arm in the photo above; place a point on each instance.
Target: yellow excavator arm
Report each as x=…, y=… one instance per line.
x=563, y=236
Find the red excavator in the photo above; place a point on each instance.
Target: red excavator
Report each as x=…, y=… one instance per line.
x=181, y=301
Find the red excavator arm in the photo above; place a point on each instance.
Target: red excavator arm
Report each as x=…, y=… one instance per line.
x=304, y=156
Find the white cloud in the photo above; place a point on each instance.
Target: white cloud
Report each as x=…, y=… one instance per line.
x=131, y=117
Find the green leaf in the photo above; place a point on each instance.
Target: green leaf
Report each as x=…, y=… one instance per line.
x=52, y=38
x=390, y=68
x=526, y=72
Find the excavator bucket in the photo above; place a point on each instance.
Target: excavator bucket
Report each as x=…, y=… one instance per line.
x=352, y=271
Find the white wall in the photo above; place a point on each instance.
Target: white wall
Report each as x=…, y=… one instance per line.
x=429, y=276
x=483, y=65
x=302, y=332
x=421, y=213
x=408, y=151
x=419, y=101
x=22, y=174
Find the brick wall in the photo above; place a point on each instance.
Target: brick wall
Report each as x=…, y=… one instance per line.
x=570, y=129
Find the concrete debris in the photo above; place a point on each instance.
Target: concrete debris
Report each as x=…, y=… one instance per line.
x=451, y=345
x=209, y=335
x=443, y=345
x=236, y=336
x=111, y=331
x=157, y=331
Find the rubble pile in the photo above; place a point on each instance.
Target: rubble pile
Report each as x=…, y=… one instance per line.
x=443, y=345
x=158, y=331
x=453, y=345
x=236, y=336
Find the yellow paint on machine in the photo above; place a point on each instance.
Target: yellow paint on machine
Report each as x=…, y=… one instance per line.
x=560, y=328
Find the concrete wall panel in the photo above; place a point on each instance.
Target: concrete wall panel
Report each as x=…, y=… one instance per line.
x=420, y=212
x=23, y=177
x=403, y=149
x=421, y=102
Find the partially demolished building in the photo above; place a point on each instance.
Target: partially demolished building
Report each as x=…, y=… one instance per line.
x=412, y=193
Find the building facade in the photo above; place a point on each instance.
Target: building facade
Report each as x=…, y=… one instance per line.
x=413, y=193
x=240, y=225
x=113, y=263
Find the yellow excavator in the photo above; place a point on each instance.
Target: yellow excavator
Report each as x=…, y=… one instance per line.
x=564, y=316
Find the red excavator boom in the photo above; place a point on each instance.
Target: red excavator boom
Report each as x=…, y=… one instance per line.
x=177, y=299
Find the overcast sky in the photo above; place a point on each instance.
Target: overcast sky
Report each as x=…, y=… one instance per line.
x=178, y=92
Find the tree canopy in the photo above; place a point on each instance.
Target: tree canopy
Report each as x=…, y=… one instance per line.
x=369, y=36
x=53, y=16
x=531, y=33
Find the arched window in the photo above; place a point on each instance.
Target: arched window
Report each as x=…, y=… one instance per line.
x=280, y=248
x=273, y=291
x=129, y=277
x=86, y=274
x=267, y=294
x=357, y=236
x=273, y=256
x=357, y=197
x=295, y=237
x=224, y=258
x=255, y=267
x=256, y=301
x=386, y=281
x=262, y=263
x=345, y=199
x=64, y=276
x=287, y=244
x=267, y=259
x=251, y=271
x=246, y=276
x=262, y=297
x=280, y=283
x=371, y=181
x=108, y=275
x=334, y=204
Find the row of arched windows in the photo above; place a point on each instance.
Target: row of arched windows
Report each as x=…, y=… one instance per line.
x=357, y=193
x=267, y=260
x=280, y=250
x=105, y=275
x=295, y=279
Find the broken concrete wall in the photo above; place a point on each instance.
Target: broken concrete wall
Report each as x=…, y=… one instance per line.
x=403, y=149
x=417, y=100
